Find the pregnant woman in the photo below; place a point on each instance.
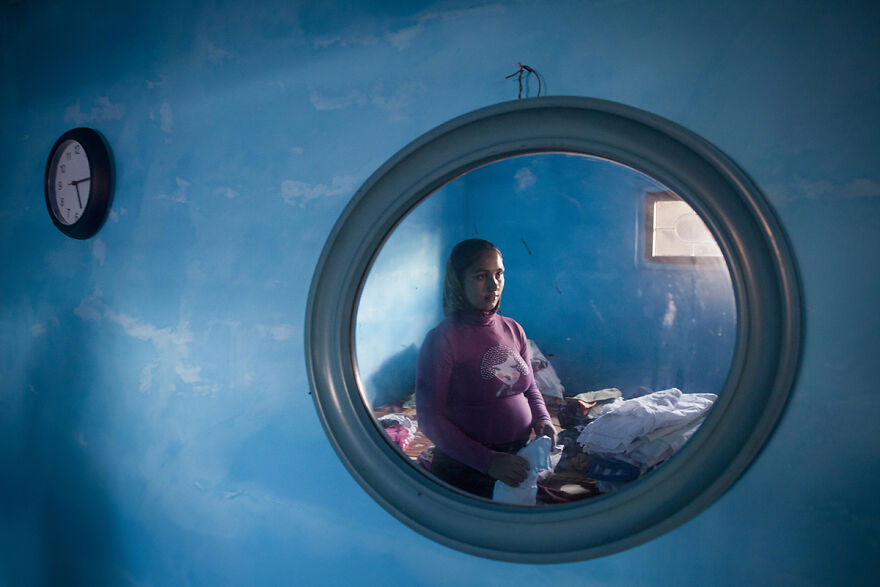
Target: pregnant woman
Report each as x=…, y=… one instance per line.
x=475, y=392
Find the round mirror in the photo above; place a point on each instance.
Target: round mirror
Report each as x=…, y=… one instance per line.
x=619, y=286
x=699, y=276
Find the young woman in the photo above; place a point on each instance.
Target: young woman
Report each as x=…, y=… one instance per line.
x=475, y=392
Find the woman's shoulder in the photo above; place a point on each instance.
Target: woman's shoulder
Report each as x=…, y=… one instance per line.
x=442, y=330
x=514, y=328
x=506, y=319
x=439, y=341
x=510, y=323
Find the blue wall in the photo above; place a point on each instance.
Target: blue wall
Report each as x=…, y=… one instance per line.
x=155, y=419
x=572, y=231
x=400, y=300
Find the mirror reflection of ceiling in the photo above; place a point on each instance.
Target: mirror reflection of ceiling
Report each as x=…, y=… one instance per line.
x=572, y=231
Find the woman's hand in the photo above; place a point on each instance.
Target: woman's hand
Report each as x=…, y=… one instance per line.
x=508, y=468
x=546, y=428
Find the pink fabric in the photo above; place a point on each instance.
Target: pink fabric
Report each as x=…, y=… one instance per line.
x=400, y=435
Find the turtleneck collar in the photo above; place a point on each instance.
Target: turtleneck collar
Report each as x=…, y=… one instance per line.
x=477, y=317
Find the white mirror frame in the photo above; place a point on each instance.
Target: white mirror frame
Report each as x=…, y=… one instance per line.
x=763, y=368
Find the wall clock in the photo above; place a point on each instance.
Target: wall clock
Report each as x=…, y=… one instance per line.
x=78, y=182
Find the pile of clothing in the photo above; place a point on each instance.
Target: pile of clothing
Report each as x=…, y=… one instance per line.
x=647, y=430
x=610, y=441
x=400, y=429
x=583, y=408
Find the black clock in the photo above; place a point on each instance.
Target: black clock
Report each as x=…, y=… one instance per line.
x=78, y=182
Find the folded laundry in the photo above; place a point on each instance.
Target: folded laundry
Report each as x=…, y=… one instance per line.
x=646, y=430
x=654, y=448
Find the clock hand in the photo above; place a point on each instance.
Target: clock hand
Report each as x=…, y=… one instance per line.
x=76, y=185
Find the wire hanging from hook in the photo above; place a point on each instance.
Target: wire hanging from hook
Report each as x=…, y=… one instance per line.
x=523, y=70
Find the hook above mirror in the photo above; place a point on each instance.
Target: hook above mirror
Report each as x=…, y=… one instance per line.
x=762, y=369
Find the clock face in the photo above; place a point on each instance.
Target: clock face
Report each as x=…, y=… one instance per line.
x=71, y=181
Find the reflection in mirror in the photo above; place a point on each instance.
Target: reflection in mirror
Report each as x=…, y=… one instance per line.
x=627, y=349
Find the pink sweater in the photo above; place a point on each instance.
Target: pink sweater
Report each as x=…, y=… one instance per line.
x=475, y=387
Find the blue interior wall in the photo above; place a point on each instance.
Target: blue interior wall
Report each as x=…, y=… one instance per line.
x=155, y=419
x=399, y=301
x=572, y=232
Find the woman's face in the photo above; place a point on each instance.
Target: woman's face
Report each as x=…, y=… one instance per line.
x=484, y=280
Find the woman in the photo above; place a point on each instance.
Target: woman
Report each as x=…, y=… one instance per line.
x=475, y=392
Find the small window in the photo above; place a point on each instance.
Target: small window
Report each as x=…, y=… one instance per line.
x=675, y=233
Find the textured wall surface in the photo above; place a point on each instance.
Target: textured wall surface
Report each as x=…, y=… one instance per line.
x=156, y=426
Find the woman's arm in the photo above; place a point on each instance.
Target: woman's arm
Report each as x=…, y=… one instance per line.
x=532, y=393
x=433, y=375
x=541, y=421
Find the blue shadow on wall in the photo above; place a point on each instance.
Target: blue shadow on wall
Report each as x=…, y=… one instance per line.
x=55, y=500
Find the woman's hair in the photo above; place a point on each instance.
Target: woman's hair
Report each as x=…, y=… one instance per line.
x=463, y=255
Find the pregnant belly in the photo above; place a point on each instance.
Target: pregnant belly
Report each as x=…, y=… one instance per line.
x=504, y=420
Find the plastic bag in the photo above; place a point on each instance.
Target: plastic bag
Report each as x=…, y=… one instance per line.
x=545, y=375
x=542, y=460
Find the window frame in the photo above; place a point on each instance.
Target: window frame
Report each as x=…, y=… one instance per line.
x=650, y=199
